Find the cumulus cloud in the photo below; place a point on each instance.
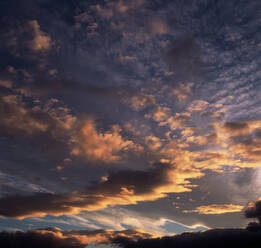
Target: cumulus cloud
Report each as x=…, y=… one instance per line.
x=17, y=117
x=49, y=123
x=204, y=142
x=242, y=139
x=97, y=146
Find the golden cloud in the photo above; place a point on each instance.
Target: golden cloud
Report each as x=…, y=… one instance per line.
x=97, y=146
x=140, y=101
x=216, y=209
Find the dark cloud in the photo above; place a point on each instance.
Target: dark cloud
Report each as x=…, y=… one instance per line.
x=57, y=238
x=142, y=182
x=185, y=58
x=235, y=126
x=27, y=123
x=36, y=239
x=253, y=210
x=215, y=238
x=123, y=188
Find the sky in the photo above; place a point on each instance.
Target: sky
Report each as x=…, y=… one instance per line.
x=129, y=114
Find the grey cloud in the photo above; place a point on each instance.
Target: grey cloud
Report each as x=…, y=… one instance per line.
x=141, y=182
x=185, y=58
x=253, y=210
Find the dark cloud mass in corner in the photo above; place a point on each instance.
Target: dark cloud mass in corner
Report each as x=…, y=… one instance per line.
x=130, y=120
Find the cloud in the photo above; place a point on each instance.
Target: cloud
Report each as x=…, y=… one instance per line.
x=215, y=238
x=178, y=121
x=97, y=146
x=120, y=188
x=235, y=127
x=198, y=105
x=153, y=142
x=25, y=40
x=12, y=184
x=36, y=239
x=253, y=210
x=102, y=246
x=242, y=139
x=18, y=118
x=158, y=26
x=118, y=218
x=85, y=237
x=41, y=41
x=206, y=143
x=6, y=83
x=183, y=91
x=115, y=8
x=140, y=101
x=49, y=123
x=216, y=209
x=159, y=114
x=184, y=57
x=57, y=238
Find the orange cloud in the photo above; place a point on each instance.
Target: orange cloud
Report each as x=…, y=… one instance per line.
x=18, y=118
x=153, y=142
x=85, y=237
x=140, y=101
x=97, y=146
x=159, y=114
x=41, y=41
x=242, y=140
x=183, y=91
x=198, y=105
x=216, y=209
